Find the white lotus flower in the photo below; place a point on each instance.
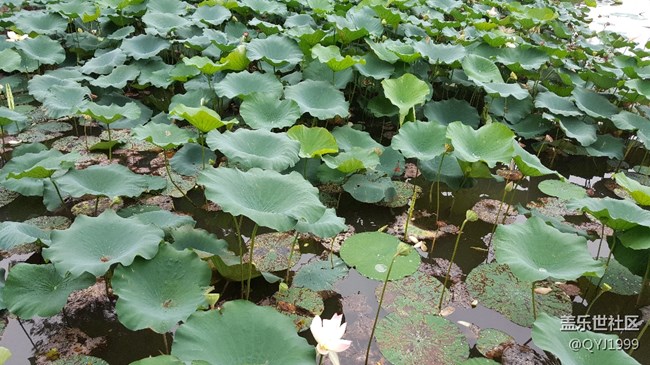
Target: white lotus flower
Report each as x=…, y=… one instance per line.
x=328, y=334
x=13, y=37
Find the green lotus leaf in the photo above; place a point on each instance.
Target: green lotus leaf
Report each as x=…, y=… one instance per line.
x=318, y=98
x=39, y=290
x=8, y=117
x=43, y=165
x=160, y=360
x=413, y=294
x=77, y=9
x=497, y=288
x=536, y=251
x=309, y=301
x=606, y=146
x=41, y=22
x=109, y=180
x=165, y=136
x=451, y=110
x=619, y=277
x=161, y=23
x=491, y=143
x=637, y=238
x=490, y=338
x=320, y=275
x=212, y=14
x=203, y=64
x=317, y=71
x=229, y=267
x=640, y=193
x=272, y=251
x=557, y=104
x=267, y=111
x=267, y=197
x=481, y=69
x=529, y=164
x=10, y=60
x=203, y=118
x=391, y=162
x=198, y=240
x=278, y=51
x=42, y=49
x=374, y=67
x=236, y=60
x=163, y=219
x=144, y=46
x=14, y=234
x=242, y=84
x=118, y=78
x=110, y=113
x=397, y=343
x=314, y=142
x=371, y=187
x=20, y=164
x=223, y=337
x=421, y=140
x=353, y=160
x=616, y=214
x=80, y=360
x=594, y=104
x=256, y=148
x=405, y=93
x=331, y=56
x=641, y=87
x=348, y=138
x=181, y=279
x=440, y=53
x=329, y=225
x=548, y=335
x=372, y=252
x=562, y=189
x=94, y=244
x=529, y=59
x=506, y=90
x=191, y=158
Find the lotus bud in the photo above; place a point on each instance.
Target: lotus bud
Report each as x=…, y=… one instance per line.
x=403, y=249
x=79, y=30
x=383, y=38
x=471, y=216
x=513, y=75
x=212, y=299
x=283, y=287
x=510, y=186
x=448, y=148
x=234, y=19
x=384, y=22
x=605, y=287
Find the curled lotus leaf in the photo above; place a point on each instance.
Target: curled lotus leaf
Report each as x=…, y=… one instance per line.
x=318, y=98
x=616, y=214
x=165, y=136
x=491, y=143
x=93, y=244
x=267, y=111
x=203, y=118
x=405, y=93
x=314, y=142
x=109, y=180
x=639, y=192
x=267, y=197
x=275, y=50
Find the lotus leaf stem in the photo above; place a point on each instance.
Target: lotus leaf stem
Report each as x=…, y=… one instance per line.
x=96, y=204
x=110, y=146
x=609, y=257
x=496, y=219
x=644, y=285
x=291, y=249
x=241, y=251
x=250, y=261
x=433, y=242
x=165, y=342
x=169, y=175
x=58, y=192
x=602, y=238
x=414, y=198
x=26, y=333
x=638, y=338
x=598, y=295
x=451, y=262
x=532, y=298
x=381, y=300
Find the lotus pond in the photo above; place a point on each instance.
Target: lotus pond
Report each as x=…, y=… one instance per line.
x=322, y=182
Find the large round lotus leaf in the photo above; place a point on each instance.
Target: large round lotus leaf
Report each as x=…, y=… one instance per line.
x=199, y=240
x=637, y=238
x=372, y=187
x=372, y=252
x=451, y=110
x=314, y=142
x=203, y=118
x=481, y=69
x=490, y=338
x=14, y=234
x=256, y=148
x=144, y=46
x=165, y=136
x=108, y=180
x=616, y=214
x=160, y=359
x=352, y=160
x=440, y=52
x=104, y=63
x=329, y=225
x=583, y=132
x=244, y=83
x=620, y=278
x=38, y=290
x=40, y=22
x=374, y=67
x=497, y=288
x=421, y=140
x=594, y=104
x=275, y=50
x=177, y=291
x=562, y=189
x=241, y=333
x=557, y=105
x=414, y=294
x=640, y=193
x=272, y=251
x=318, y=98
x=299, y=304
x=536, y=251
x=348, y=138
x=606, y=146
x=94, y=244
x=320, y=275
x=405, y=92
x=42, y=49
x=529, y=164
x=548, y=335
x=118, y=78
x=419, y=338
x=491, y=143
x=267, y=111
x=160, y=218
x=191, y=158
x=80, y=360
x=267, y=197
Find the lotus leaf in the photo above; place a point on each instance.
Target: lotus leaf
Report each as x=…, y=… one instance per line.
x=348, y=138
x=536, y=251
x=181, y=279
x=267, y=197
x=619, y=278
x=256, y=148
x=40, y=22
x=276, y=50
x=548, y=335
x=616, y=214
x=94, y=244
x=594, y=104
x=38, y=290
x=329, y=225
x=415, y=339
x=223, y=337
x=42, y=49
x=331, y=56
x=489, y=339
x=118, y=78
x=529, y=164
x=160, y=218
x=165, y=136
x=411, y=295
x=372, y=252
x=497, y=288
x=314, y=142
x=309, y=303
x=491, y=143
x=190, y=159
x=557, y=104
x=451, y=174
x=272, y=251
x=10, y=60
x=203, y=118
x=405, y=92
x=161, y=360
x=144, y=46
x=374, y=67
x=109, y=180
x=318, y=98
x=506, y=90
x=637, y=238
x=14, y=234
x=451, y=110
x=606, y=146
x=266, y=111
x=80, y=360
x=242, y=84
x=28, y=170
x=441, y=53
x=481, y=69
x=212, y=14
x=353, y=160
x=320, y=275
x=161, y=23
x=421, y=140
x=562, y=189
x=371, y=187
x=199, y=240
x=317, y=71
x=391, y=162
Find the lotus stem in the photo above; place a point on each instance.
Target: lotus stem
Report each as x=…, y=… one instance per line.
x=410, y=213
x=496, y=219
x=381, y=300
x=2, y=135
x=451, y=262
x=645, y=283
x=241, y=251
x=320, y=361
x=58, y=192
x=202, y=138
x=638, y=338
x=110, y=146
x=96, y=204
x=609, y=257
x=601, y=291
x=512, y=199
x=602, y=238
x=250, y=261
x=433, y=242
x=293, y=244
x=532, y=298
x=26, y=333
x=166, y=343
x=169, y=174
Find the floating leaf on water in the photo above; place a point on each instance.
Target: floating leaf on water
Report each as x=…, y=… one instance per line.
x=403, y=194
x=371, y=187
x=272, y=251
x=299, y=304
x=490, y=338
x=416, y=294
x=80, y=360
x=487, y=210
x=415, y=339
x=320, y=275
x=619, y=277
x=497, y=288
x=562, y=189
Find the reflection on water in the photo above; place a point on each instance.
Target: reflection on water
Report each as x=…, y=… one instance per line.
x=628, y=17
